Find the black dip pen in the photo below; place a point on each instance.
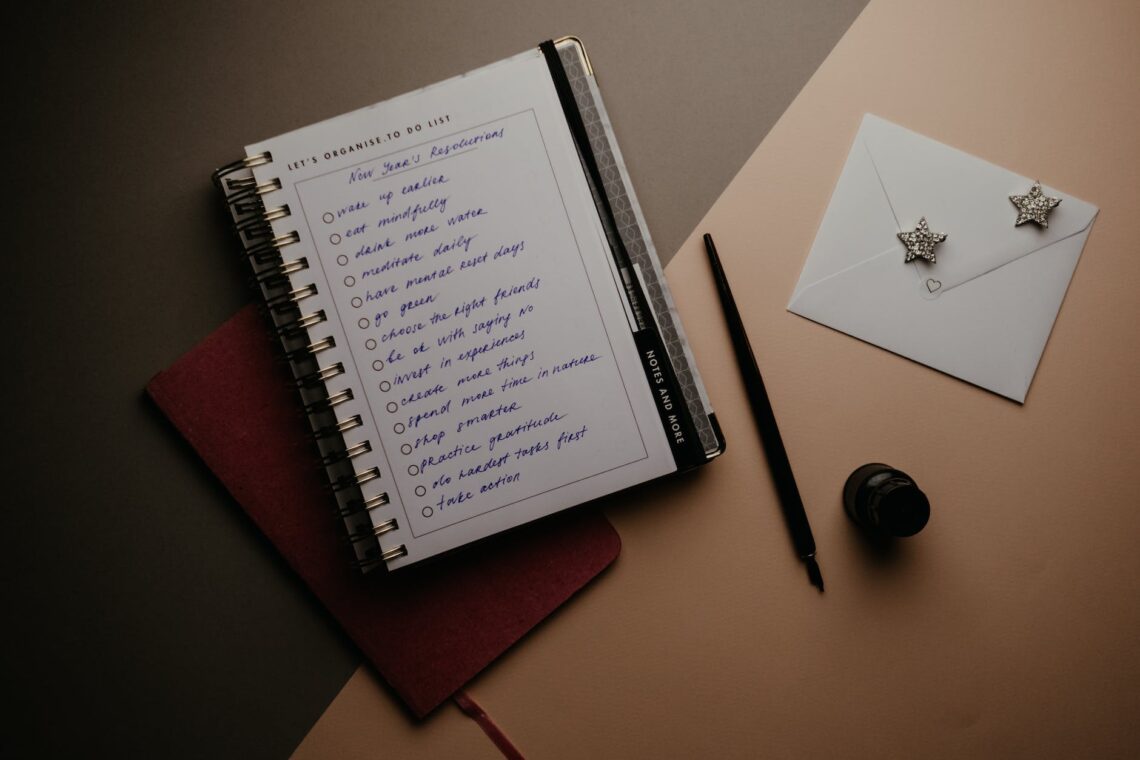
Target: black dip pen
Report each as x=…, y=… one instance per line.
x=778, y=463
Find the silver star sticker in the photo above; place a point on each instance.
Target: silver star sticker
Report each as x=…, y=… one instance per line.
x=920, y=242
x=1034, y=206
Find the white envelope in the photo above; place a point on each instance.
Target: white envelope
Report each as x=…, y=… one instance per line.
x=984, y=309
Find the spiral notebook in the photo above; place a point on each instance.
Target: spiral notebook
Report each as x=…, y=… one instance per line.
x=478, y=325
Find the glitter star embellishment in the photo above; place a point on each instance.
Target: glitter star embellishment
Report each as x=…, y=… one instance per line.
x=1034, y=206
x=920, y=242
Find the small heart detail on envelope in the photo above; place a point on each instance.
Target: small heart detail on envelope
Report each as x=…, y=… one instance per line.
x=932, y=285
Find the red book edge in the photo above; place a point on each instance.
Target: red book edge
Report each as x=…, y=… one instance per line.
x=427, y=629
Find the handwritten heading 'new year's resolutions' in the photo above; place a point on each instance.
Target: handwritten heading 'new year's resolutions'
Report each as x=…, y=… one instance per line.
x=471, y=321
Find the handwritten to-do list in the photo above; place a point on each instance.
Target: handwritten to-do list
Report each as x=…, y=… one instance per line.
x=459, y=281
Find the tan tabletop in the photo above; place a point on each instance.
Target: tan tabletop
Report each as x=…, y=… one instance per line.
x=1009, y=627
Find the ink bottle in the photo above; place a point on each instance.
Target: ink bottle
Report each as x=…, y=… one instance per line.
x=885, y=502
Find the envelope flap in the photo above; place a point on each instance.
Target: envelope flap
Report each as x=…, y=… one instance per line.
x=964, y=197
x=859, y=223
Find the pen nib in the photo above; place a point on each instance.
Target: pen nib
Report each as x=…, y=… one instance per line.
x=814, y=575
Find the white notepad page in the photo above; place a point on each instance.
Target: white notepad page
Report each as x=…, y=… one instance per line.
x=459, y=257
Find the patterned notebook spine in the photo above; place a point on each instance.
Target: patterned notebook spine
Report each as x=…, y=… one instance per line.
x=281, y=282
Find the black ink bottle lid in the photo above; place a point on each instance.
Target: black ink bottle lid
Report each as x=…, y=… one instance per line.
x=885, y=502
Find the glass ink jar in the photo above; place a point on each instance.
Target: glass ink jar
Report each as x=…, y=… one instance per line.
x=885, y=502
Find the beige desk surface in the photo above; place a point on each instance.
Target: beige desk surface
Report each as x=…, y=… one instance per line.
x=1009, y=627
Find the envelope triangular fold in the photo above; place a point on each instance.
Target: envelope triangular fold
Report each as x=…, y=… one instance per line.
x=963, y=196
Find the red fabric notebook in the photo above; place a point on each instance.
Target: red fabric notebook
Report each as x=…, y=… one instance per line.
x=429, y=629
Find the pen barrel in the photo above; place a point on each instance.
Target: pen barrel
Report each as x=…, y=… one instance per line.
x=770, y=439
x=789, y=494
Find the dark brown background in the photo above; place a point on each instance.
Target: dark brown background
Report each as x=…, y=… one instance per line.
x=145, y=615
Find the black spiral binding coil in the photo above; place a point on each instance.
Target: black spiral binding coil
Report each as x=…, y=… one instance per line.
x=276, y=277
